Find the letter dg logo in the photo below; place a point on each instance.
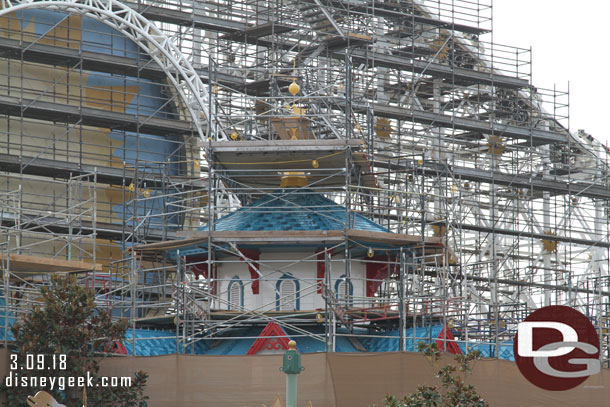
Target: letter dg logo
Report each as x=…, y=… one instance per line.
x=557, y=348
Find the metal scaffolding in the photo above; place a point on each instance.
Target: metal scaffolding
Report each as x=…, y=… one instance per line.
x=407, y=114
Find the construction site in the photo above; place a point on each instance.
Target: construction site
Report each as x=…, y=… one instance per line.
x=358, y=176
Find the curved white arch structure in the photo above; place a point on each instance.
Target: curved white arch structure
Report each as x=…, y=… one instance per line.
x=146, y=35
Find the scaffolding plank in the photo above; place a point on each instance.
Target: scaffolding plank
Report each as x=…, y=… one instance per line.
x=272, y=236
x=95, y=61
x=259, y=31
x=173, y=16
x=26, y=264
x=536, y=136
x=462, y=75
x=284, y=146
x=383, y=9
x=106, y=175
x=49, y=54
x=103, y=230
x=555, y=185
x=58, y=112
x=245, y=161
x=435, y=69
x=527, y=234
x=100, y=62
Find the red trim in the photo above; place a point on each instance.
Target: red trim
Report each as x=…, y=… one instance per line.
x=321, y=268
x=264, y=340
x=120, y=348
x=451, y=347
x=321, y=265
x=201, y=269
x=116, y=347
x=253, y=256
x=375, y=272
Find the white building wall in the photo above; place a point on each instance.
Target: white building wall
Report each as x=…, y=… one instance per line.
x=300, y=265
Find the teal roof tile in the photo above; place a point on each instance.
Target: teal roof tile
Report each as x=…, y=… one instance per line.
x=290, y=210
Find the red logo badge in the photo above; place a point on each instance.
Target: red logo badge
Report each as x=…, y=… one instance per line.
x=557, y=348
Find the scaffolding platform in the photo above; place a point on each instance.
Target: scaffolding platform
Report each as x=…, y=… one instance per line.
x=459, y=75
x=534, y=184
x=59, y=112
x=173, y=15
x=245, y=161
x=258, y=31
x=24, y=265
x=537, y=137
x=266, y=237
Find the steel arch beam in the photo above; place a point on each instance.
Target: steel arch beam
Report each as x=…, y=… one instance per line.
x=146, y=35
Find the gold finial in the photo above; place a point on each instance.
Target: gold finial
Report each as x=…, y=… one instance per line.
x=292, y=345
x=294, y=88
x=294, y=134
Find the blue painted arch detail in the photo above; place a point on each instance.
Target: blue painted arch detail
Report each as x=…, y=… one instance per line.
x=297, y=288
x=235, y=280
x=343, y=278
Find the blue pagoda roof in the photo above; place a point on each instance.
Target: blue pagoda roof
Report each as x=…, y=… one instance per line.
x=291, y=210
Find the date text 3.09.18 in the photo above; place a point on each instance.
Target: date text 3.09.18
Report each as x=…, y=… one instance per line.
x=38, y=362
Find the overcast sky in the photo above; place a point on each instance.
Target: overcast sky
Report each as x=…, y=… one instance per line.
x=570, y=43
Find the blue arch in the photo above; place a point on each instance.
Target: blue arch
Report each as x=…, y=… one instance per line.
x=297, y=290
x=236, y=280
x=342, y=278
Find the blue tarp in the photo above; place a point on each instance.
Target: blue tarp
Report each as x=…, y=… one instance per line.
x=238, y=342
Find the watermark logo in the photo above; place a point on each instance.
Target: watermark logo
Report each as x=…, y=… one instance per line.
x=557, y=348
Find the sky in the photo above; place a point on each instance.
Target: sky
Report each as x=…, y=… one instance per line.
x=570, y=44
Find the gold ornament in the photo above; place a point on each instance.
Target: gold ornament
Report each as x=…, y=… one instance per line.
x=383, y=128
x=550, y=245
x=294, y=134
x=495, y=145
x=294, y=88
